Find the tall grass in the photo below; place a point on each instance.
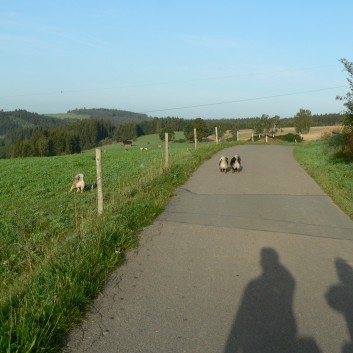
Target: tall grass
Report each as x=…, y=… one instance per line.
x=333, y=173
x=55, y=253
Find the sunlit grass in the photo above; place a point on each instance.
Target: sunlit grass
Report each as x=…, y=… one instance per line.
x=55, y=252
x=334, y=175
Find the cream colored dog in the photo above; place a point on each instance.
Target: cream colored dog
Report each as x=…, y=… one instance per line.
x=78, y=183
x=223, y=164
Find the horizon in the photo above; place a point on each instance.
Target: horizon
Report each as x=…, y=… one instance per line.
x=71, y=111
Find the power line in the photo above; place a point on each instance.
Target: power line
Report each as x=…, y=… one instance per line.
x=243, y=100
x=72, y=90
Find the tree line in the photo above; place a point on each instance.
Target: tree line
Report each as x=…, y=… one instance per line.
x=44, y=140
x=56, y=140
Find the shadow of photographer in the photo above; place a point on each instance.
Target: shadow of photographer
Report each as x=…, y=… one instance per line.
x=265, y=321
x=340, y=298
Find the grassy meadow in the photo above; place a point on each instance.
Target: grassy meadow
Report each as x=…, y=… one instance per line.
x=55, y=252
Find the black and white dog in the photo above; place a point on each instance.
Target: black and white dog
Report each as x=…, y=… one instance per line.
x=223, y=164
x=235, y=163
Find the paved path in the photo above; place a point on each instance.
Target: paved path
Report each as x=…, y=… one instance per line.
x=259, y=261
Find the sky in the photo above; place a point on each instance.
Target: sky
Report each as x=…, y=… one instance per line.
x=185, y=58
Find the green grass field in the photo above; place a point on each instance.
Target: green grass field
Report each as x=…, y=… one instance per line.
x=35, y=204
x=55, y=252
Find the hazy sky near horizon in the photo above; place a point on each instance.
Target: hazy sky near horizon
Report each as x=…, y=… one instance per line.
x=195, y=58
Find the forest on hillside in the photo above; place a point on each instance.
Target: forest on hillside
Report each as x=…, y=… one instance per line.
x=23, y=119
x=55, y=140
x=19, y=119
x=116, y=116
x=38, y=135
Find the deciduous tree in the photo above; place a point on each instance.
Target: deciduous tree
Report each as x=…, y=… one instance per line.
x=348, y=98
x=170, y=132
x=202, y=129
x=303, y=121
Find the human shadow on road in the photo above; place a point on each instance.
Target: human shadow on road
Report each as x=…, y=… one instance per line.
x=265, y=321
x=340, y=298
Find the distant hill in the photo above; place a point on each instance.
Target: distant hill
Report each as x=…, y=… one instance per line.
x=19, y=119
x=11, y=121
x=116, y=116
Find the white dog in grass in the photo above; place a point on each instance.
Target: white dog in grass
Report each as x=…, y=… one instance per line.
x=78, y=183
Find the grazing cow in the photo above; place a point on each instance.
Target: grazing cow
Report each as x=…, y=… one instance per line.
x=223, y=164
x=127, y=144
x=235, y=163
x=78, y=183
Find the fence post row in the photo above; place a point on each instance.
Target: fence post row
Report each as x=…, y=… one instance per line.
x=99, y=180
x=99, y=165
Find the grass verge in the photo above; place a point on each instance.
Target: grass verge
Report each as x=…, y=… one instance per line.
x=332, y=173
x=56, y=279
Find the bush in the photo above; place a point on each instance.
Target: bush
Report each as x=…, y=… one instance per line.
x=290, y=137
x=342, y=145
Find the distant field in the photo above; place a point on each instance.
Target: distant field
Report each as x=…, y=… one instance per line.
x=69, y=116
x=154, y=140
x=315, y=133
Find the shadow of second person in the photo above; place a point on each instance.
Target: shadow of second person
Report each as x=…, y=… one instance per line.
x=265, y=321
x=340, y=298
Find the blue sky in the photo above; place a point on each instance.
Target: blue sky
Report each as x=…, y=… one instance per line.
x=208, y=59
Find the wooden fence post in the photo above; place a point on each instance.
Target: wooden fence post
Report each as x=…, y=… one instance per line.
x=237, y=135
x=195, y=137
x=99, y=180
x=166, y=139
x=216, y=128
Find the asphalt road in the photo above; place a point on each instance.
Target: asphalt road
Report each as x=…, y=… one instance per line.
x=259, y=261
